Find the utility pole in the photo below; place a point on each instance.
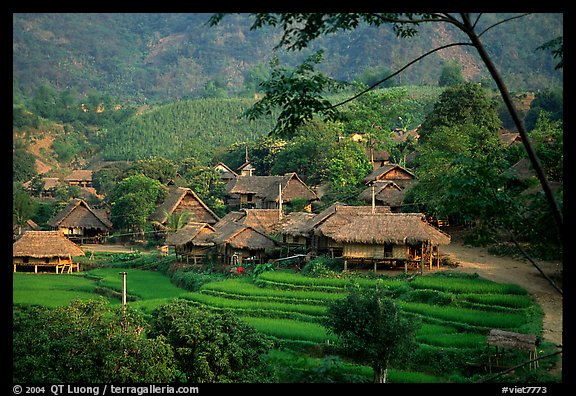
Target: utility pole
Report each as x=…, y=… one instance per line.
x=123, y=288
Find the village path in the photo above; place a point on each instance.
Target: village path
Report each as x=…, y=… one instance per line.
x=505, y=269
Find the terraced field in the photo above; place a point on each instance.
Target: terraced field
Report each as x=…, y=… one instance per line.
x=457, y=311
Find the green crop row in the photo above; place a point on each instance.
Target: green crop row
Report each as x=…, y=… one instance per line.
x=250, y=305
x=290, y=329
x=291, y=280
x=468, y=316
x=465, y=284
x=244, y=288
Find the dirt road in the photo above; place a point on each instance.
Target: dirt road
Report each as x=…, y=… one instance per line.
x=516, y=271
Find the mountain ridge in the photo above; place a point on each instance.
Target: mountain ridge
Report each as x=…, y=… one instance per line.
x=160, y=57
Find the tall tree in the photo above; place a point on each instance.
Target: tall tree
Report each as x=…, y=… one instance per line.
x=372, y=329
x=133, y=200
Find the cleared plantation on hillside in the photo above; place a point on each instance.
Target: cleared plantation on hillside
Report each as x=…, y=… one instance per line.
x=456, y=311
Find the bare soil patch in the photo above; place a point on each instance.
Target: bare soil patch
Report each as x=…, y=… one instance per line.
x=504, y=269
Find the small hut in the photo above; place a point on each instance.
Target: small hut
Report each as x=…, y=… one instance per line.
x=238, y=244
x=80, y=177
x=268, y=192
x=192, y=242
x=180, y=200
x=392, y=172
x=46, y=250
x=502, y=340
x=81, y=223
x=384, y=193
x=226, y=173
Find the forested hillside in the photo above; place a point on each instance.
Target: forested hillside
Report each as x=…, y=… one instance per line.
x=191, y=128
x=160, y=57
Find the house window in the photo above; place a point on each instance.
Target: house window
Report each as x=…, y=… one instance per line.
x=388, y=251
x=249, y=197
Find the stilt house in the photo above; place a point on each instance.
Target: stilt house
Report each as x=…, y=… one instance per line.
x=80, y=223
x=181, y=200
x=45, y=250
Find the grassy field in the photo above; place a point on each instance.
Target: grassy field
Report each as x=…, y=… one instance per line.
x=456, y=312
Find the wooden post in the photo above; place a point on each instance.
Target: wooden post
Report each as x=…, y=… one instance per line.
x=123, y=288
x=279, y=201
x=430, y=249
x=422, y=258
x=373, y=199
x=345, y=265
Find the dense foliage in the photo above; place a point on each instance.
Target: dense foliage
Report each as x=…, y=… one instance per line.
x=372, y=329
x=94, y=342
x=154, y=57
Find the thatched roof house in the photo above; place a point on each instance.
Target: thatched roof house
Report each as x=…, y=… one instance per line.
x=291, y=228
x=46, y=249
x=386, y=193
x=80, y=222
x=237, y=237
x=387, y=238
x=19, y=229
x=374, y=235
x=192, y=241
x=226, y=173
x=238, y=244
x=263, y=220
x=50, y=184
x=182, y=199
x=80, y=177
x=197, y=234
x=268, y=192
x=387, y=228
x=391, y=172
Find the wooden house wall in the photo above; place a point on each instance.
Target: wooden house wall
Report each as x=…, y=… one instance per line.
x=295, y=189
x=199, y=213
x=191, y=252
x=396, y=174
x=379, y=252
x=250, y=201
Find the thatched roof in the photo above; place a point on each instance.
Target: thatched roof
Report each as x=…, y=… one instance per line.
x=78, y=214
x=226, y=173
x=339, y=212
x=266, y=187
x=509, y=339
x=382, y=172
x=239, y=236
x=49, y=183
x=41, y=244
x=264, y=220
x=293, y=223
x=79, y=175
x=387, y=192
x=381, y=228
x=509, y=138
x=197, y=234
x=202, y=213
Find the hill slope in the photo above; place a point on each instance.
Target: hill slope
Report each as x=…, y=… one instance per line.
x=168, y=56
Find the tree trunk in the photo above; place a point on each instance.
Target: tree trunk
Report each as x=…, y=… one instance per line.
x=380, y=375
